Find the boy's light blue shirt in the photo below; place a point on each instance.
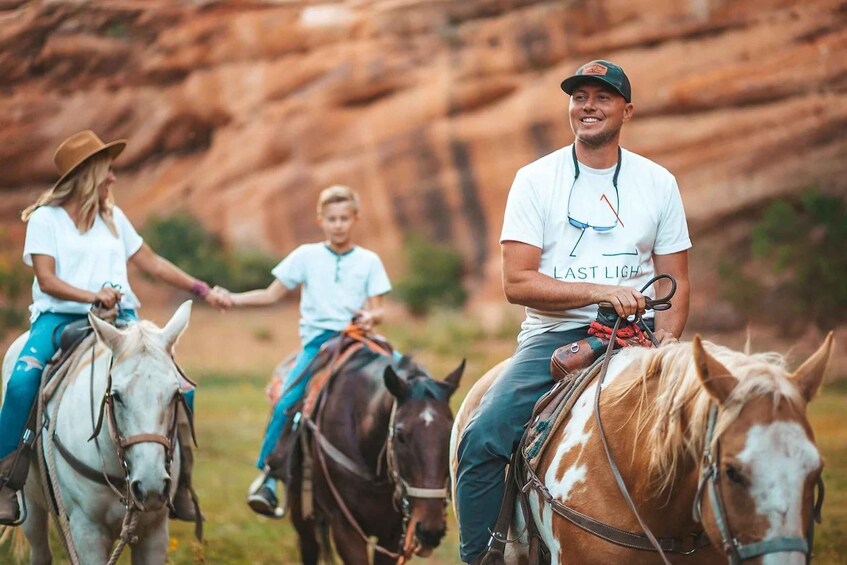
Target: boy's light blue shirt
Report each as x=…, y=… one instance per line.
x=335, y=286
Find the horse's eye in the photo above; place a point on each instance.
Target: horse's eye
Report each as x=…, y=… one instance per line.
x=400, y=435
x=735, y=475
x=116, y=397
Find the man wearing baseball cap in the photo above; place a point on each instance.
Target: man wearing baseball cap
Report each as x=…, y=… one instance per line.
x=590, y=223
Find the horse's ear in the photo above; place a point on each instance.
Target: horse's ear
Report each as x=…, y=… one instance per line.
x=176, y=325
x=106, y=332
x=395, y=385
x=809, y=376
x=453, y=378
x=716, y=379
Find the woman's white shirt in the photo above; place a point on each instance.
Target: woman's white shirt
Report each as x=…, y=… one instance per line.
x=83, y=260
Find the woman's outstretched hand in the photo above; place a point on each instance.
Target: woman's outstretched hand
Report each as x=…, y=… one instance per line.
x=220, y=298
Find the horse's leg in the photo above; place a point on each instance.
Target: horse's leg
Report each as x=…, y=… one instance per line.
x=36, y=530
x=92, y=542
x=309, y=548
x=152, y=545
x=352, y=549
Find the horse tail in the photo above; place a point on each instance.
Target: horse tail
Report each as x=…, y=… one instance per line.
x=17, y=542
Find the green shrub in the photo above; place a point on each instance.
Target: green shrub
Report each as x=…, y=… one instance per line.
x=798, y=249
x=433, y=276
x=15, y=284
x=185, y=242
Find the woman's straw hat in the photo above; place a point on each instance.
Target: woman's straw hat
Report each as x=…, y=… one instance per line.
x=80, y=146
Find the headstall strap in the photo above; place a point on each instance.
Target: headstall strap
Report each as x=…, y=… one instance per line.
x=735, y=551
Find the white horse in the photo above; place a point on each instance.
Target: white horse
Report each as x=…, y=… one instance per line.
x=132, y=395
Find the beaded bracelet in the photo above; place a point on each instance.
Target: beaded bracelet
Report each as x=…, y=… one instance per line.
x=199, y=288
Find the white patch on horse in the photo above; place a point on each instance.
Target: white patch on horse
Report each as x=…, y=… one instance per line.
x=576, y=434
x=780, y=457
x=427, y=416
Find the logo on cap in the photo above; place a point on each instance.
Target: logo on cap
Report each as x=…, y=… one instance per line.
x=593, y=69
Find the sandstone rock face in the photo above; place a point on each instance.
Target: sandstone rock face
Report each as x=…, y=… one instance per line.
x=241, y=111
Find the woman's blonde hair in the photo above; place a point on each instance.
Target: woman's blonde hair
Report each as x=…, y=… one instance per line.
x=83, y=186
x=338, y=193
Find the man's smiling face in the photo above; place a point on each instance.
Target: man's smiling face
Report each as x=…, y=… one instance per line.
x=597, y=113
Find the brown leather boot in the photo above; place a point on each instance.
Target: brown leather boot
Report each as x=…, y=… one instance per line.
x=10, y=511
x=184, y=502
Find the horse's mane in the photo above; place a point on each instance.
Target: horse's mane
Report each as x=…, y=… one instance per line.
x=672, y=425
x=421, y=383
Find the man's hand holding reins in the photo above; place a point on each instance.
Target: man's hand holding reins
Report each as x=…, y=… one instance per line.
x=626, y=301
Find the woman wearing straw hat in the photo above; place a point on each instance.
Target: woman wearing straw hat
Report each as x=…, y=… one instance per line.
x=78, y=242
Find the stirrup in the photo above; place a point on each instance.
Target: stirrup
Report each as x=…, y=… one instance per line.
x=22, y=511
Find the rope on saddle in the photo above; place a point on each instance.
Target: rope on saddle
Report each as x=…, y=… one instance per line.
x=628, y=335
x=47, y=468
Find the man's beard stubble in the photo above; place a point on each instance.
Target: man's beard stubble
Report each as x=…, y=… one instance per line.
x=600, y=139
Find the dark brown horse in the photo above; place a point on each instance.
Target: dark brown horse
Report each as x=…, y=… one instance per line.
x=379, y=449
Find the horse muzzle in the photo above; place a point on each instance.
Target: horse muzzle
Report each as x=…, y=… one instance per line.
x=150, y=498
x=426, y=539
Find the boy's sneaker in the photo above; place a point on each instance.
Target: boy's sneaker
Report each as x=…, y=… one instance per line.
x=263, y=502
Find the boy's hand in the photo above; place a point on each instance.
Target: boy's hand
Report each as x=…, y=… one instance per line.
x=364, y=320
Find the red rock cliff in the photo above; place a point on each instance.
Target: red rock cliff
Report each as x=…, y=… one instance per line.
x=242, y=111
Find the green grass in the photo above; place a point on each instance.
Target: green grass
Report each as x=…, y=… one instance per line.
x=232, y=413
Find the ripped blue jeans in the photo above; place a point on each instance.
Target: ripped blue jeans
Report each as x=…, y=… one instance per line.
x=26, y=377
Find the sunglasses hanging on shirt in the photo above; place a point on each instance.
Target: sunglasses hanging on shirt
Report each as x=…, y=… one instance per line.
x=584, y=225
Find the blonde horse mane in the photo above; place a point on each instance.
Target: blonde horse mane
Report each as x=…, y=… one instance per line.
x=672, y=424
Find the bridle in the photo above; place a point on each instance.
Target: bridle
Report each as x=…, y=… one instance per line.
x=122, y=442
x=735, y=551
x=121, y=485
x=403, y=491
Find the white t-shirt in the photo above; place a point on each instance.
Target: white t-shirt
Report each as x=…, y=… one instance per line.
x=83, y=260
x=646, y=213
x=334, y=286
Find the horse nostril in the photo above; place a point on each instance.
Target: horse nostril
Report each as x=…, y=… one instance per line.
x=429, y=538
x=137, y=493
x=166, y=492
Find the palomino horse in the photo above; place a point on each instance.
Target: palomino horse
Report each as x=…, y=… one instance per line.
x=379, y=447
x=128, y=379
x=713, y=445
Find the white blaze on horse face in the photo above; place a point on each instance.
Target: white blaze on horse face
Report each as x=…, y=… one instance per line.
x=428, y=416
x=780, y=457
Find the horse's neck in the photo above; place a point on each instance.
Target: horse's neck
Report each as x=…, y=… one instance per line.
x=631, y=455
x=373, y=438
x=79, y=408
x=359, y=420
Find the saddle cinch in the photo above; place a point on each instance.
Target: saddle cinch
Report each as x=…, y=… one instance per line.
x=291, y=457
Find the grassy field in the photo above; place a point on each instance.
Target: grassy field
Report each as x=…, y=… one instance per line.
x=231, y=357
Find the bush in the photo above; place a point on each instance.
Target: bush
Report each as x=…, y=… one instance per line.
x=799, y=249
x=433, y=276
x=15, y=284
x=185, y=242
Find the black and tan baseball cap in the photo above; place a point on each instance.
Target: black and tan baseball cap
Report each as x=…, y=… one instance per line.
x=604, y=71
